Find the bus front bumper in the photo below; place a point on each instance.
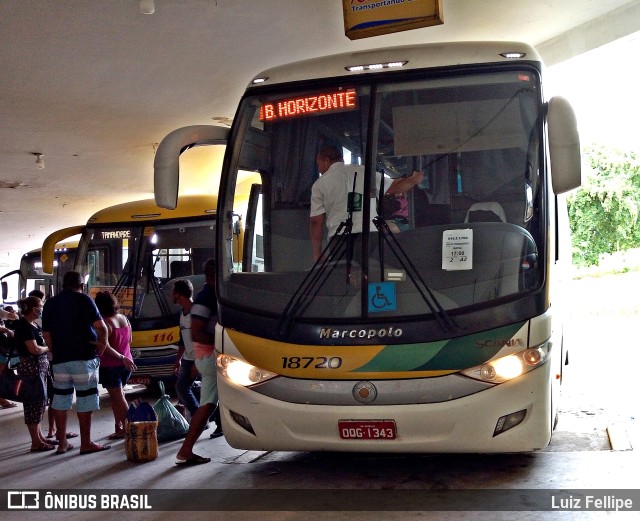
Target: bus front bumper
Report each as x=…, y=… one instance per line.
x=256, y=422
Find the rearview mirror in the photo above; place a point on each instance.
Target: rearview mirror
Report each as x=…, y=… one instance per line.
x=564, y=146
x=166, y=166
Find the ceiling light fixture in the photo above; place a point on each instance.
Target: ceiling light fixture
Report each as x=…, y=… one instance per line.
x=147, y=6
x=39, y=160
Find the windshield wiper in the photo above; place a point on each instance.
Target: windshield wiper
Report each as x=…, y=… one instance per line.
x=153, y=287
x=440, y=314
x=125, y=280
x=315, y=278
x=322, y=268
x=349, y=225
x=384, y=233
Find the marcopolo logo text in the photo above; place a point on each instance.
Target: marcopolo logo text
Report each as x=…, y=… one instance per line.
x=390, y=332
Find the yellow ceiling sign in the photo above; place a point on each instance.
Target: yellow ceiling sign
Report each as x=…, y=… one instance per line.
x=364, y=18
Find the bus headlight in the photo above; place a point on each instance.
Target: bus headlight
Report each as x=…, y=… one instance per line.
x=240, y=372
x=511, y=366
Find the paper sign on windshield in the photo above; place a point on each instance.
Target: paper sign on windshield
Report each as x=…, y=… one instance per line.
x=457, y=250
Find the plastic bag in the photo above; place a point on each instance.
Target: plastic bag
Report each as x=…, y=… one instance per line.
x=141, y=440
x=171, y=424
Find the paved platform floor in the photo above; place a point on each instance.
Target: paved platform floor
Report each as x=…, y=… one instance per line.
x=580, y=457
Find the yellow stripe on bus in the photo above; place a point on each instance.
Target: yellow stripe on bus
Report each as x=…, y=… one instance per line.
x=315, y=361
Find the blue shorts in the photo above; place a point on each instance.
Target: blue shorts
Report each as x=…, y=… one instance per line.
x=81, y=375
x=209, y=381
x=114, y=376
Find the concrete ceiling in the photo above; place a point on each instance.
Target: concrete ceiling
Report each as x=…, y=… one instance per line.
x=94, y=85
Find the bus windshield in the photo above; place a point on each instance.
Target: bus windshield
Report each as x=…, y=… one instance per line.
x=468, y=235
x=31, y=276
x=138, y=260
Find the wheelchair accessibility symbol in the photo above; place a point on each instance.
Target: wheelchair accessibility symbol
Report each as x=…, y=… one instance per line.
x=382, y=296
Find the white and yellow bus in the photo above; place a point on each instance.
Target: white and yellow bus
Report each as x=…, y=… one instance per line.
x=30, y=275
x=137, y=250
x=445, y=337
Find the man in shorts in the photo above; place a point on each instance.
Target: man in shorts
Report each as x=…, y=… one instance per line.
x=76, y=334
x=204, y=315
x=185, y=365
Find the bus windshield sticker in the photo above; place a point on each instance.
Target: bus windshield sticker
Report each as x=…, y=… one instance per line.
x=395, y=275
x=322, y=103
x=382, y=296
x=457, y=250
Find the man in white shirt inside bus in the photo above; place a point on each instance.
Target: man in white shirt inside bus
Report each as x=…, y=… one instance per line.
x=330, y=194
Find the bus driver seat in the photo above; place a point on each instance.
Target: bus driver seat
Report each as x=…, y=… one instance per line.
x=179, y=269
x=485, y=212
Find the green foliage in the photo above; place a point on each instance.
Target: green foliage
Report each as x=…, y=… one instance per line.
x=604, y=211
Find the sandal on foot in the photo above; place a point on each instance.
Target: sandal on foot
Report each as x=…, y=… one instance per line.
x=8, y=405
x=117, y=436
x=97, y=448
x=192, y=460
x=43, y=448
x=71, y=435
x=62, y=450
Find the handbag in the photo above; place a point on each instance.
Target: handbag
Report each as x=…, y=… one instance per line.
x=25, y=389
x=171, y=424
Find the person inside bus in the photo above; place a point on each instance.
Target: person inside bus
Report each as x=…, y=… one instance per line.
x=396, y=211
x=332, y=190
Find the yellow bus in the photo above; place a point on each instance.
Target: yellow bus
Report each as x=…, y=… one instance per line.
x=445, y=335
x=136, y=250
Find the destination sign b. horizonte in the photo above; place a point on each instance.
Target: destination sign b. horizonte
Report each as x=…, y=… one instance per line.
x=309, y=105
x=488, y=500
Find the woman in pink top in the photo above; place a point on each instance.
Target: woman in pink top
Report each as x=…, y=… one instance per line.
x=116, y=363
